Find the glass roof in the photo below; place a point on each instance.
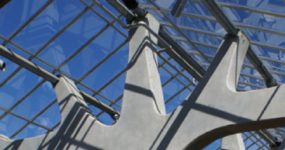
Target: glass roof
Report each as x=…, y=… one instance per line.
x=198, y=32
x=87, y=41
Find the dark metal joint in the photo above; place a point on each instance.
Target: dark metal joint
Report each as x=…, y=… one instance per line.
x=139, y=13
x=231, y=36
x=116, y=116
x=4, y=2
x=276, y=144
x=271, y=83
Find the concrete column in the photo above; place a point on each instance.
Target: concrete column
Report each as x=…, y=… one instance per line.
x=214, y=109
x=233, y=142
x=73, y=111
x=143, y=80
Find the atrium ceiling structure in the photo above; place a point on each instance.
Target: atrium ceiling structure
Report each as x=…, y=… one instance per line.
x=49, y=43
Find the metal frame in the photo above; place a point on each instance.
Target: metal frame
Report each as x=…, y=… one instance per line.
x=231, y=29
x=172, y=49
x=51, y=78
x=56, y=70
x=3, y=3
x=143, y=99
x=178, y=7
x=270, y=81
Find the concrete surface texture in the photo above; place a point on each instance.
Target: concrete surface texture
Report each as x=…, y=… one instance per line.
x=233, y=142
x=215, y=108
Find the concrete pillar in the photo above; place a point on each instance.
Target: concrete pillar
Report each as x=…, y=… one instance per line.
x=214, y=109
x=73, y=111
x=233, y=142
x=143, y=80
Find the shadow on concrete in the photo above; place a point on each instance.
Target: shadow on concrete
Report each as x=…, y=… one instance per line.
x=65, y=135
x=188, y=105
x=205, y=139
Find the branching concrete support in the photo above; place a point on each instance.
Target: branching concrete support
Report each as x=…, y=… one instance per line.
x=143, y=80
x=215, y=108
x=71, y=127
x=233, y=142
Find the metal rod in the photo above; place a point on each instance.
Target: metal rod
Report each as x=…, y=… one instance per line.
x=122, y=24
x=187, y=62
x=4, y=2
x=121, y=8
x=196, y=30
x=24, y=118
x=27, y=64
x=50, y=77
x=204, y=44
x=232, y=30
x=245, y=65
x=212, y=19
x=174, y=67
x=111, y=104
x=256, y=10
x=174, y=76
x=22, y=99
x=178, y=7
x=186, y=14
x=259, y=29
x=220, y=17
x=83, y=46
x=269, y=79
x=109, y=23
x=178, y=93
x=40, y=10
x=117, y=18
x=267, y=46
x=34, y=118
x=180, y=32
x=56, y=35
x=112, y=53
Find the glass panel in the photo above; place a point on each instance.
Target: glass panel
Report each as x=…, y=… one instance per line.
x=18, y=12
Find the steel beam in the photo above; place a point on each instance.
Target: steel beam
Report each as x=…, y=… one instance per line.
x=196, y=30
x=23, y=62
x=23, y=26
x=264, y=134
x=231, y=29
x=185, y=14
x=262, y=69
x=209, y=113
x=233, y=76
x=178, y=7
x=4, y=2
x=117, y=4
x=255, y=10
x=259, y=29
x=221, y=17
x=179, y=54
x=131, y=4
